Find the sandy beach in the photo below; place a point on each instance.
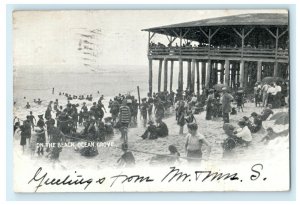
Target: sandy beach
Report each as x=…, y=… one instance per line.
x=108, y=156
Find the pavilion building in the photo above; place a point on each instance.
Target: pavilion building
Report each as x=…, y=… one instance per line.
x=234, y=50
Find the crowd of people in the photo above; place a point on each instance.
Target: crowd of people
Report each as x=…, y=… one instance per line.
x=73, y=122
x=274, y=93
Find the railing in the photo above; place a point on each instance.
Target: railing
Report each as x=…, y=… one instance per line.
x=220, y=52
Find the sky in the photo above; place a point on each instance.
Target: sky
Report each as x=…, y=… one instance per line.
x=48, y=41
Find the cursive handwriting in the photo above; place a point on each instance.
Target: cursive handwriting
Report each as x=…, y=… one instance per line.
x=134, y=178
x=176, y=174
x=173, y=174
x=44, y=180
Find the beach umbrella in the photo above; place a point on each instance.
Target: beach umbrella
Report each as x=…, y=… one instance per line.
x=281, y=118
x=218, y=87
x=272, y=79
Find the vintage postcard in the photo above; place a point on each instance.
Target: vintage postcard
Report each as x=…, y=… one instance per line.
x=151, y=100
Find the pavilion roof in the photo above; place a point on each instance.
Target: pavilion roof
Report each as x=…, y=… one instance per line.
x=252, y=19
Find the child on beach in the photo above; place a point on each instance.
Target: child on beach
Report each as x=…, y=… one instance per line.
x=194, y=143
x=127, y=159
x=174, y=154
x=163, y=159
x=243, y=135
x=239, y=100
x=271, y=135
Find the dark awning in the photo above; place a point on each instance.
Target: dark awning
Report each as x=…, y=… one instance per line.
x=253, y=19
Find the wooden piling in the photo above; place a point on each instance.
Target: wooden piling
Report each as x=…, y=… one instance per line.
x=171, y=75
x=150, y=76
x=165, y=74
x=159, y=75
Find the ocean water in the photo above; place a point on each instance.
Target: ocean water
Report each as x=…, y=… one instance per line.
x=34, y=85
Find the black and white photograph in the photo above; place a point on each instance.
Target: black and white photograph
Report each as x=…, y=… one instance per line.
x=151, y=100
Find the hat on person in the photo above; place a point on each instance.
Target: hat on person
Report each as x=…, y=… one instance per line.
x=38, y=129
x=245, y=118
x=241, y=123
x=173, y=149
x=40, y=116
x=224, y=89
x=150, y=122
x=254, y=114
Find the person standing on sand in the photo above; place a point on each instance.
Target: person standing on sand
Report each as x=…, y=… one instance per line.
x=41, y=138
x=56, y=137
x=226, y=104
x=150, y=106
x=239, y=100
x=31, y=118
x=209, y=105
x=144, y=111
x=114, y=110
x=27, y=128
x=257, y=94
x=264, y=91
x=23, y=136
x=194, y=143
x=48, y=113
x=55, y=106
x=124, y=118
x=135, y=108
x=180, y=115
x=16, y=124
x=159, y=109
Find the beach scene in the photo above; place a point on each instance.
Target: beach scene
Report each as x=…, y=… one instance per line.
x=97, y=93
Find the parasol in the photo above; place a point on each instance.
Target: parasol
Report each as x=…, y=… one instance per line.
x=272, y=79
x=281, y=118
x=218, y=87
